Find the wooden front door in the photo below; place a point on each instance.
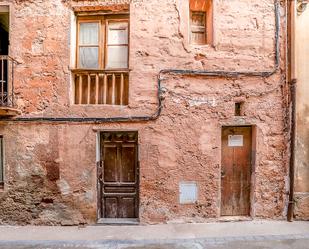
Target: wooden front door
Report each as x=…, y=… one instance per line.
x=118, y=175
x=236, y=171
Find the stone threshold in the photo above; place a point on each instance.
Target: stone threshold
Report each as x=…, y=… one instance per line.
x=124, y=221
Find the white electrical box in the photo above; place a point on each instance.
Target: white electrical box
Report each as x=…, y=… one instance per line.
x=187, y=192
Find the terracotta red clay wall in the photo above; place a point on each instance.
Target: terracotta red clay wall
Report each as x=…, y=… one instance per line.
x=50, y=168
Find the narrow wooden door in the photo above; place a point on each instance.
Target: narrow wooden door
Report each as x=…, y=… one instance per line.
x=236, y=171
x=119, y=183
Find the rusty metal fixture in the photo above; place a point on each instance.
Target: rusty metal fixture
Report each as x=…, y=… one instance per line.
x=290, y=214
x=7, y=65
x=301, y=6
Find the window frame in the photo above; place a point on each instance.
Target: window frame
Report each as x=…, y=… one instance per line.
x=119, y=45
x=103, y=38
x=99, y=45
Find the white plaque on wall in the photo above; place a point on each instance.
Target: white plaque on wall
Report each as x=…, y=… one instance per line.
x=236, y=140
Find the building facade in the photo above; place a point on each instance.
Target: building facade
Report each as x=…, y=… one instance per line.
x=143, y=111
x=301, y=195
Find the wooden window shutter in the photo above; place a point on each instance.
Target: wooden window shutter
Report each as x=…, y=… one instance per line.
x=198, y=27
x=201, y=22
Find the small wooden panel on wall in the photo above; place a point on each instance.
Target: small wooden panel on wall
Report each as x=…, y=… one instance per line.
x=201, y=22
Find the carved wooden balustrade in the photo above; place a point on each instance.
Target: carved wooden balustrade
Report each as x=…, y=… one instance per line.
x=106, y=87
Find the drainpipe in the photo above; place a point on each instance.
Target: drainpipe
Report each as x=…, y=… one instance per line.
x=292, y=82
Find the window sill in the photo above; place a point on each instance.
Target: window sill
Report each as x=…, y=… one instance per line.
x=99, y=105
x=91, y=70
x=201, y=45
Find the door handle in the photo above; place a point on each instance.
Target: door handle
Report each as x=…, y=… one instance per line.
x=222, y=174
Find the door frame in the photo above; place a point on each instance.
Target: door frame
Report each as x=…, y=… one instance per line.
x=253, y=168
x=101, y=220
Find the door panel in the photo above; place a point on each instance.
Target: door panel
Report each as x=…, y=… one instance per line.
x=128, y=163
x=110, y=163
x=119, y=189
x=127, y=207
x=110, y=207
x=236, y=171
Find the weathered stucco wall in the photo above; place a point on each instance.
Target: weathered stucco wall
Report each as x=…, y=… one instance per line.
x=302, y=140
x=50, y=169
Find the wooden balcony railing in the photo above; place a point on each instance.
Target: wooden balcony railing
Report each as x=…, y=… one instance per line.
x=95, y=87
x=7, y=65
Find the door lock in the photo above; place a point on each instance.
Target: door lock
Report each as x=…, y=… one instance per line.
x=222, y=174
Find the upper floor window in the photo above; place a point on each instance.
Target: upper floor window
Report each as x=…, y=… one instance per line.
x=201, y=22
x=102, y=52
x=103, y=43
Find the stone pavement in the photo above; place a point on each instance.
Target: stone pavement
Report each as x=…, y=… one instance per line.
x=238, y=235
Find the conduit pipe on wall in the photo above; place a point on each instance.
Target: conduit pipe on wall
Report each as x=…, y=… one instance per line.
x=155, y=116
x=290, y=213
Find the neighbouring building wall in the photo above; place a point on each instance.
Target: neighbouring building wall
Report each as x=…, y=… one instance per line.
x=302, y=139
x=50, y=168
